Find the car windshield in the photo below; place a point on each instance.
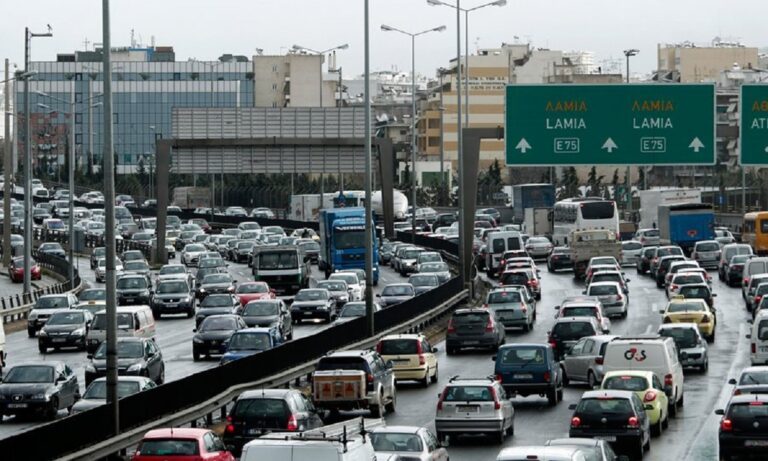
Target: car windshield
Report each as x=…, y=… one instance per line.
x=194, y=247
x=392, y=441
x=430, y=257
x=514, y=278
x=399, y=347
x=467, y=318
x=601, y=406
x=423, y=280
x=467, y=394
x=504, y=297
x=271, y=260
x=132, y=283
x=669, y=251
x=353, y=310
x=124, y=321
x=217, y=301
x=136, y=266
x=605, y=277
x=572, y=330
x=739, y=259
x=626, y=383
x=249, y=341
x=211, y=262
x=29, y=374
x=217, y=278
x=579, y=311
x=246, y=288
x=521, y=355
x=51, y=302
x=631, y=246
x=754, y=377
x=218, y=324
x=169, y=447
x=343, y=363
x=259, y=408
x=333, y=286
x=602, y=290
x=351, y=279
x=411, y=254
x=93, y=294
x=310, y=295
x=244, y=245
x=98, y=389
x=538, y=241
x=66, y=318
x=694, y=292
x=606, y=261
x=434, y=267
x=686, y=279
x=683, y=337
x=260, y=309
x=397, y=290
x=310, y=246
x=708, y=246
x=169, y=270
x=125, y=350
x=172, y=287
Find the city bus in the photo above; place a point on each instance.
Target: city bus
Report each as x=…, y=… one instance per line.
x=755, y=231
x=583, y=213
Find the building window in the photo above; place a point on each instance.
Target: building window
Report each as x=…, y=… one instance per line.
x=78, y=97
x=115, y=118
x=78, y=76
x=78, y=119
x=274, y=87
x=177, y=76
x=79, y=139
x=274, y=68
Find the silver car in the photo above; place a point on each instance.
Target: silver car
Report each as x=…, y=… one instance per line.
x=395, y=293
x=691, y=346
x=706, y=253
x=612, y=297
x=538, y=247
x=474, y=406
x=584, y=361
x=510, y=308
x=96, y=393
x=440, y=269
x=190, y=255
x=409, y=442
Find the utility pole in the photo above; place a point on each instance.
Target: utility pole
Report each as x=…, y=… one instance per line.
x=7, y=169
x=109, y=234
x=369, y=318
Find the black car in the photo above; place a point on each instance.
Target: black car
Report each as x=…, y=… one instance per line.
x=38, y=388
x=385, y=252
x=135, y=356
x=274, y=410
x=643, y=262
x=215, y=283
x=132, y=290
x=616, y=416
x=567, y=331
x=96, y=254
x=269, y=312
x=313, y=303
x=559, y=258
x=213, y=334
x=216, y=304
x=52, y=249
x=65, y=328
x=39, y=215
x=201, y=273
x=173, y=297
x=663, y=268
x=734, y=270
x=744, y=427
x=444, y=220
x=473, y=328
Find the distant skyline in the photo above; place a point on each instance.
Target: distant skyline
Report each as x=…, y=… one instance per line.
x=205, y=30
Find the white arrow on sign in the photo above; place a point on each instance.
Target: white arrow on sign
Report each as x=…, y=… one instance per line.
x=696, y=144
x=766, y=148
x=609, y=145
x=523, y=145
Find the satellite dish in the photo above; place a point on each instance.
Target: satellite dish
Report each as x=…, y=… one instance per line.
x=382, y=118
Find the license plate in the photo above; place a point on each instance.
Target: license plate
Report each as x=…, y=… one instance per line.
x=607, y=438
x=17, y=405
x=59, y=340
x=523, y=376
x=129, y=300
x=172, y=305
x=756, y=443
x=401, y=360
x=763, y=348
x=471, y=342
x=468, y=408
x=254, y=431
x=214, y=343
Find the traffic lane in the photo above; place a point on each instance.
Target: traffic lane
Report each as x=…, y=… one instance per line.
x=536, y=422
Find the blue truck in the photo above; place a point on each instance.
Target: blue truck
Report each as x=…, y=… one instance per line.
x=684, y=224
x=342, y=241
x=526, y=196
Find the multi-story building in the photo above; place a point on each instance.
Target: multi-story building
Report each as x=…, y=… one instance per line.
x=147, y=83
x=694, y=64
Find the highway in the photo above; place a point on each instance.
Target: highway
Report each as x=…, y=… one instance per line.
x=173, y=335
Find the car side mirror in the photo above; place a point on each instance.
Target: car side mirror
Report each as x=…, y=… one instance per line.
x=572, y=406
x=661, y=311
x=194, y=330
x=627, y=280
x=749, y=336
x=720, y=412
x=714, y=295
x=89, y=356
x=378, y=295
x=434, y=349
x=493, y=358
x=61, y=379
x=584, y=292
x=732, y=381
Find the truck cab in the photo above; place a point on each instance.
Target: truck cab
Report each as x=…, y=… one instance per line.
x=342, y=241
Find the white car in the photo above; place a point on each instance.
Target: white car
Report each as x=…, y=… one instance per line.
x=353, y=284
x=190, y=255
x=101, y=269
x=630, y=251
x=409, y=442
x=174, y=272
x=611, y=295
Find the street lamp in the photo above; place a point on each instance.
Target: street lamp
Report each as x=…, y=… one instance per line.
x=413, y=36
x=28, y=36
x=629, y=53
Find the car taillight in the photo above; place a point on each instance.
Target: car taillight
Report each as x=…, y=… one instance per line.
x=746, y=281
x=599, y=360
x=575, y=421
x=753, y=348
x=497, y=378
x=230, y=427
x=673, y=287
x=668, y=379
x=547, y=376
x=737, y=392
x=758, y=298
x=485, y=305
x=496, y=403
x=726, y=425
x=649, y=396
x=369, y=377
x=553, y=343
x=705, y=319
x=633, y=422
x=524, y=309
x=378, y=347
x=489, y=325
x=292, y=425
x=440, y=400
x=451, y=328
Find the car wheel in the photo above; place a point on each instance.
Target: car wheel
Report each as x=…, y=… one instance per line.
x=451, y=351
x=498, y=437
x=511, y=429
x=681, y=401
x=391, y=406
x=549, y=268
x=31, y=332
x=161, y=378
x=665, y=421
x=647, y=446
x=639, y=450
x=705, y=366
x=440, y=437
x=560, y=394
x=552, y=397
x=711, y=337
x=190, y=313
x=591, y=380
x=527, y=327
x=376, y=410
x=673, y=410
x=53, y=409
x=425, y=382
x=566, y=381
x=195, y=356
x=42, y=349
x=434, y=376
x=656, y=428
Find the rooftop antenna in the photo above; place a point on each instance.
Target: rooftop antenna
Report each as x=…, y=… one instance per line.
x=133, y=39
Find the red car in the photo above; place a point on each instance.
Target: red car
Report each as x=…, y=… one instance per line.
x=182, y=444
x=248, y=291
x=16, y=270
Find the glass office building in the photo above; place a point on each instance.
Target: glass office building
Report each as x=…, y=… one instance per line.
x=146, y=85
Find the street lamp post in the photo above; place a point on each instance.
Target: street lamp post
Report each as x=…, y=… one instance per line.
x=413, y=36
x=628, y=54
x=28, y=36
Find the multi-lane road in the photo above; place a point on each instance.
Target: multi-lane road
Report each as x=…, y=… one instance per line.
x=173, y=335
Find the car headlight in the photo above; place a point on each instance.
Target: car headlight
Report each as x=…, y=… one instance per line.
x=323, y=307
x=32, y=316
x=41, y=396
x=344, y=298
x=197, y=340
x=134, y=367
x=78, y=332
x=202, y=290
x=90, y=368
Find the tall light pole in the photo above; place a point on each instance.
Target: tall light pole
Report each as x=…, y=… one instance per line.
x=628, y=54
x=369, y=318
x=322, y=55
x=466, y=12
x=413, y=36
x=8, y=161
x=28, y=36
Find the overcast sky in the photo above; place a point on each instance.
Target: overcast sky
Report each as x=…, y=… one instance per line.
x=206, y=29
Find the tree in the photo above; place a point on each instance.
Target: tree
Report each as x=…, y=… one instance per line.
x=594, y=182
x=640, y=178
x=615, y=185
x=569, y=184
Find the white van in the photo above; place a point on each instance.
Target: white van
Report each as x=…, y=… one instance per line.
x=136, y=321
x=753, y=266
x=651, y=353
x=497, y=243
x=758, y=339
x=327, y=443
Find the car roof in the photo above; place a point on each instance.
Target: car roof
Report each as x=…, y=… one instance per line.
x=746, y=398
x=527, y=345
x=644, y=373
x=600, y=284
x=574, y=441
x=176, y=433
x=537, y=452
x=706, y=241
x=611, y=393
x=125, y=378
x=256, y=330
x=679, y=326
x=468, y=310
x=397, y=429
x=580, y=318
x=268, y=393
x=404, y=336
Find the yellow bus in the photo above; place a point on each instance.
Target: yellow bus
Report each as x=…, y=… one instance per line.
x=755, y=231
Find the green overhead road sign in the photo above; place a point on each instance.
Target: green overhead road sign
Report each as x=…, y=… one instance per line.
x=619, y=124
x=753, y=129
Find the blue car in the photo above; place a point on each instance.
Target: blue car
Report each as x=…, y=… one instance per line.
x=250, y=341
x=529, y=369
